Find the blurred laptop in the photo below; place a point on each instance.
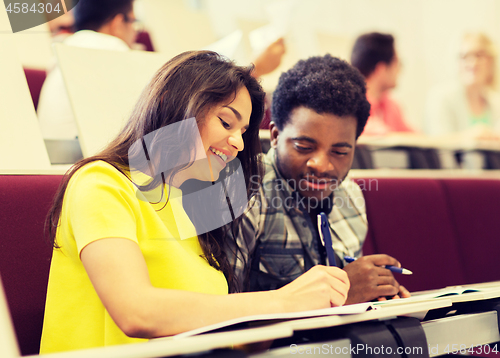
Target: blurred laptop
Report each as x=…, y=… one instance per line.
x=63, y=151
x=8, y=340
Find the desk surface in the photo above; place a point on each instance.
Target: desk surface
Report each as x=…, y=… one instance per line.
x=461, y=332
x=51, y=170
x=423, y=173
x=451, y=142
x=418, y=309
x=169, y=347
x=443, y=335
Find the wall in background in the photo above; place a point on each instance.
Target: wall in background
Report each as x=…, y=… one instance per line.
x=427, y=33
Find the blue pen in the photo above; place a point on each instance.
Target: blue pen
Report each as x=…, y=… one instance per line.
x=403, y=271
x=324, y=234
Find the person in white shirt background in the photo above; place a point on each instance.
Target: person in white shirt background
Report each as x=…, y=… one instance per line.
x=470, y=108
x=106, y=25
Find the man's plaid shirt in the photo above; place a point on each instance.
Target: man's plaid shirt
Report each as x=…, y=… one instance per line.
x=277, y=240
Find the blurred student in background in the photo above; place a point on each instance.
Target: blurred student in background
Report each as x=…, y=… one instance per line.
x=375, y=57
x=471, y=107
x=62, y=27
x=106, y=25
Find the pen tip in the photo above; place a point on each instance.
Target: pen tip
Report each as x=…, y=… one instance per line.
x=407, y=272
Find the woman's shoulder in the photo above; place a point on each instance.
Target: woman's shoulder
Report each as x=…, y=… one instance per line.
x=100, y=171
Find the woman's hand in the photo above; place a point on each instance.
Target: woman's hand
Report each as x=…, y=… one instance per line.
x=320, y=287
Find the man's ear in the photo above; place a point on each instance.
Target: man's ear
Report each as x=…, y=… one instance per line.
x=274, y=132
x=380, y=69
x=116, y=25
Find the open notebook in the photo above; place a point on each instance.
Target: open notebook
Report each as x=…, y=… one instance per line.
x=454, y=293
x=264, y=319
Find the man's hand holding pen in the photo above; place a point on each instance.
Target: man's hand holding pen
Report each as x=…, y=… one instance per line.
x=370, y=280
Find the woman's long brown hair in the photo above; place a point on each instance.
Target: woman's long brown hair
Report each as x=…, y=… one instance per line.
x=186, y=86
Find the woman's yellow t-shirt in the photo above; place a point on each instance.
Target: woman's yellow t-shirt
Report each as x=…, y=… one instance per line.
x=100, y=202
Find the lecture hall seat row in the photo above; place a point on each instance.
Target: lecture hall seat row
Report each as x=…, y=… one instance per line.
x=444, y=230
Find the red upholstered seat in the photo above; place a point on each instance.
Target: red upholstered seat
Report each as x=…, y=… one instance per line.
x=24, y=252
x=369, y=245
x=444, y=230
x=35, y=80
x=475, y=211
x=409, y=220
x=144, y=39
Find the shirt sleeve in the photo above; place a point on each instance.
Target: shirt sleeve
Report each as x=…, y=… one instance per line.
x=100, y=202
x=396, y=121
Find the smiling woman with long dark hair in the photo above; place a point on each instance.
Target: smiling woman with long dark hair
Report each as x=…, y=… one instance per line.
x=132, y=259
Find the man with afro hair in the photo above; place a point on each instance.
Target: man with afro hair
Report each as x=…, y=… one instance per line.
x=319, y=110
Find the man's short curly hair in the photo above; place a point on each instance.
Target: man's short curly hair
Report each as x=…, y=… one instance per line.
x=324, y=84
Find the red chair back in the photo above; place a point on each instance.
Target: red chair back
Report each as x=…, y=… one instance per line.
x=35, y=80
x=25, y=254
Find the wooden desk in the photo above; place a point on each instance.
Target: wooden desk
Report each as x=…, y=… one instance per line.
x=396, y=149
